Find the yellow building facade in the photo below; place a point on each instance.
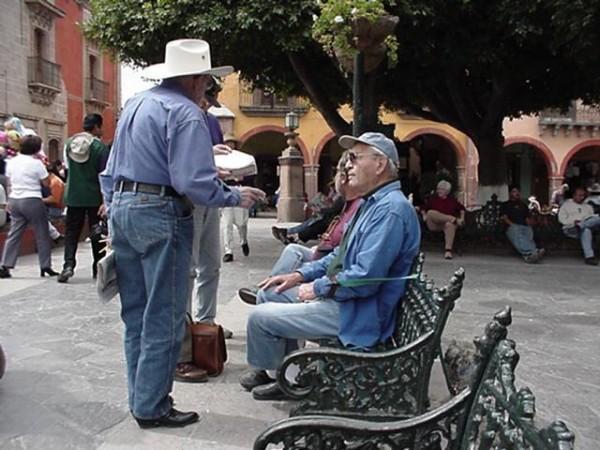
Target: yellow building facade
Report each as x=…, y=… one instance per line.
x=542, y=151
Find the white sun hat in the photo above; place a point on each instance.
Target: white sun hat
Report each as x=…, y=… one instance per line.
x=185, y=57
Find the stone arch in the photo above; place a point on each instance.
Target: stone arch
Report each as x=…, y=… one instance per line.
x=459, y=149
x=551, y=164
x=571, y=153
x=321, y=145
x=278, y=129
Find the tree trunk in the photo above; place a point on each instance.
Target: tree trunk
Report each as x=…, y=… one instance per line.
x=318, y=95
x=492, y=168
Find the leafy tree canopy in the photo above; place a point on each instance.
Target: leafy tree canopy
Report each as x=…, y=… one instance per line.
x=468, y=63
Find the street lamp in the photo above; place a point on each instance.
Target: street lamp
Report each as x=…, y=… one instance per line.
x=290, y=207
x=292, y=121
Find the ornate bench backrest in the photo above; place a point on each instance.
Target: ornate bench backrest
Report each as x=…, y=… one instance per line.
x=503, y=417
x=424, y=308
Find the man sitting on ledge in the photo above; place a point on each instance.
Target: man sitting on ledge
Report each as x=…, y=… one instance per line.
x=380, y=242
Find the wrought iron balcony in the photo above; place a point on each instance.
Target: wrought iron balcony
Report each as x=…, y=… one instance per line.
x=261, y=103
x=580, y=116
x=41, y=71
x=97, y=90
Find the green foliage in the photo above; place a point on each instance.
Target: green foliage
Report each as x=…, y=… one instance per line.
x=254, y=36
x=469, y=63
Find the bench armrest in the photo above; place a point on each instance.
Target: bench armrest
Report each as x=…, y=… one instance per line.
x=355, y=384
x=319, y=431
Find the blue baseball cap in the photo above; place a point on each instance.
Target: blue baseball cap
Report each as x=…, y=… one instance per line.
x=376, y=140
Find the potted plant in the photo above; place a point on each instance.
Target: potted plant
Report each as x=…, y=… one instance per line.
x=345, y=27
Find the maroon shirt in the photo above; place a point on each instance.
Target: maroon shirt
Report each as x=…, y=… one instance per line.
x=335, y=231
x=448, y=205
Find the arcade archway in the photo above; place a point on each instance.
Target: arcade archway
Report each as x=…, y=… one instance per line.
x=581, y=166
x=529, y=169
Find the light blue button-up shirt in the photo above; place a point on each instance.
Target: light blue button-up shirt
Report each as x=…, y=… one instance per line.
x=383, y=244
x=162, y=138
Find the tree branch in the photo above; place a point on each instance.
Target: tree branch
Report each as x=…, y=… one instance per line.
x=318, y=95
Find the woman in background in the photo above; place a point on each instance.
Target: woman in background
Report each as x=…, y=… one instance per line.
x=26, y=174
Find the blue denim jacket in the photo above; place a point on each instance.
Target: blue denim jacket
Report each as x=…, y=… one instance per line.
x=383, y=243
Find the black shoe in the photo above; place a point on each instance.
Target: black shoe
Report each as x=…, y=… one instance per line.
x=254, y=378
x=227, y=333
x=248, y=295
x=280, y=234
x=228, y=257
x=173, y=419
x=64, y=276
x=59, y=239
x=245, y=249
x=95, y=271
x=591, y=261
x=270, y=391
x=48, y=271
x=4, y=272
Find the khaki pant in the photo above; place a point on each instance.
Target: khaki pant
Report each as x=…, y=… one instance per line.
x=436, y=221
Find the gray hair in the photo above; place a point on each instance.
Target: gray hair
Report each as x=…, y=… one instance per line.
x=445, y=185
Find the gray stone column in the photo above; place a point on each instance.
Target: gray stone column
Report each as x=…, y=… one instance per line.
x=290, y=207
x=311, y=179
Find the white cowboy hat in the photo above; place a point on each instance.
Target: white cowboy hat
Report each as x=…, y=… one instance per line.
x=185, y=57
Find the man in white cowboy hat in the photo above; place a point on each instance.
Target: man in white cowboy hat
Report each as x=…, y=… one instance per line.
x=161, y=162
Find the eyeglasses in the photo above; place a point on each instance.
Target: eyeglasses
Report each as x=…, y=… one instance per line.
x=353, y=157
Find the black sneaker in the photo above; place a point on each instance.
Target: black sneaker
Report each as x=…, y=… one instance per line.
x=245, y=249
x=4, y=272
x=228, y=257
x=248, y=295
x=591, y=261
x=64, y=276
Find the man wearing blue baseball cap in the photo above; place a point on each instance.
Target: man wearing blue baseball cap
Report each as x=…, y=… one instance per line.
x=332, y=297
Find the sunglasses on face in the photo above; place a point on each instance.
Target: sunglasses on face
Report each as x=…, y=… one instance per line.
x=353, y=156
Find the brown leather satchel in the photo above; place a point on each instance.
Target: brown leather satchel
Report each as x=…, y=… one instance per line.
x=208, y=347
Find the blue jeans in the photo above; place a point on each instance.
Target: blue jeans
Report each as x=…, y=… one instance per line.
x=152, y=240
x=292, y=257
x=274, y=328
x=584, y=231
x=521, y=237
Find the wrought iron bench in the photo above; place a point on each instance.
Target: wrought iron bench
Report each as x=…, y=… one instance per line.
x=390, y=381
x=484, y=227
x=489, y=414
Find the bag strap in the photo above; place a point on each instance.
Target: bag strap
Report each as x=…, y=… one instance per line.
x=368, y=281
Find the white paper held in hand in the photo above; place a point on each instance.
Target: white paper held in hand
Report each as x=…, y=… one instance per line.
x=240, y=164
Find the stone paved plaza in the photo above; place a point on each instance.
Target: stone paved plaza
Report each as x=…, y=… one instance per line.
x=65, y=383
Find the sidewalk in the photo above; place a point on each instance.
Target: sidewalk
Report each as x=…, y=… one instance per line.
x=65, y=381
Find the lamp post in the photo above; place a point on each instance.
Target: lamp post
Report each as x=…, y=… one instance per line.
x=290, y=207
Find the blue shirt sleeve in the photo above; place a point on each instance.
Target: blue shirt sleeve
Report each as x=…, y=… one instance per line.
x=106, y=180
x=317, y=268
x=192, y=167
x=381, y=239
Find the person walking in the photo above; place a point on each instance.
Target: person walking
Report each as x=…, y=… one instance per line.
x=161, y=163
x=54, y=201
x=26, y=175
x=86, y=157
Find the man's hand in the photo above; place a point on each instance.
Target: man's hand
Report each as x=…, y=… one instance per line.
x=223, y=174
x=222, y=149
x=250, y=195
x=306, y=292
x=102, y=211
x=283, y=282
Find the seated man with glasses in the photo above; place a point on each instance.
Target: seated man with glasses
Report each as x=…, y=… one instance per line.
x=316, y=300
x=295, y=256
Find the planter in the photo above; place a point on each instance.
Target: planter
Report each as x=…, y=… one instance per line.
x=368, y=38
